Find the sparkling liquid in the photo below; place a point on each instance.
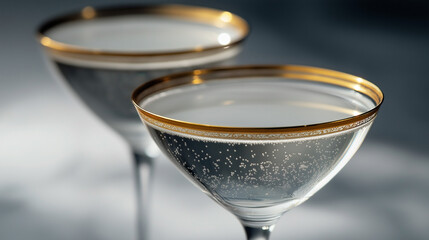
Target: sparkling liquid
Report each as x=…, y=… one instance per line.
x=258, y=179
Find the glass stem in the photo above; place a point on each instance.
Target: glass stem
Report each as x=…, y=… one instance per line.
x=258, y=233
x=143, y=178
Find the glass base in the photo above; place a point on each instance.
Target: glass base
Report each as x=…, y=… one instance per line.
x=257, y=216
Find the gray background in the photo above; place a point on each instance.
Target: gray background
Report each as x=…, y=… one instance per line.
x=65, y=175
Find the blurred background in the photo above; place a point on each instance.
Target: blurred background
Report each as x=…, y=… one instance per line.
x=65, y=175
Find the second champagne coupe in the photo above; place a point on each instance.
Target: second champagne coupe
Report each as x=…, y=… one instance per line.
x=104, y=53
x=259, y=140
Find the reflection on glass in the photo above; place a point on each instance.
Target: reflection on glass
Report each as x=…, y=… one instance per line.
x=88, y=12
x=226, y=17
x=224, y=39
x=247, y=144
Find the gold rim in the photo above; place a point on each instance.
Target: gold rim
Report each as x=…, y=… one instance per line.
x=303, y=73
x=199, y=14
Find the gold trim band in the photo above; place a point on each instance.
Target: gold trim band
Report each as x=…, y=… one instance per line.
x=210, y=16
x=300, y=73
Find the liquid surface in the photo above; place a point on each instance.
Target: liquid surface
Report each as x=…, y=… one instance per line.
x=142, y=33
x=255, y=103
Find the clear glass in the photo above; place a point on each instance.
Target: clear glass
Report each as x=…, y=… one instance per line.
x=257, y=144
x=103, y=54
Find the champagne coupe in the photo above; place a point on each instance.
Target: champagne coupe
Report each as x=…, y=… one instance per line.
x=103, y=54
x=259, y=140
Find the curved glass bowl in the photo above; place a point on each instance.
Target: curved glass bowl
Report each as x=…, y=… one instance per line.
x=103, y=54
x=259, y=140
